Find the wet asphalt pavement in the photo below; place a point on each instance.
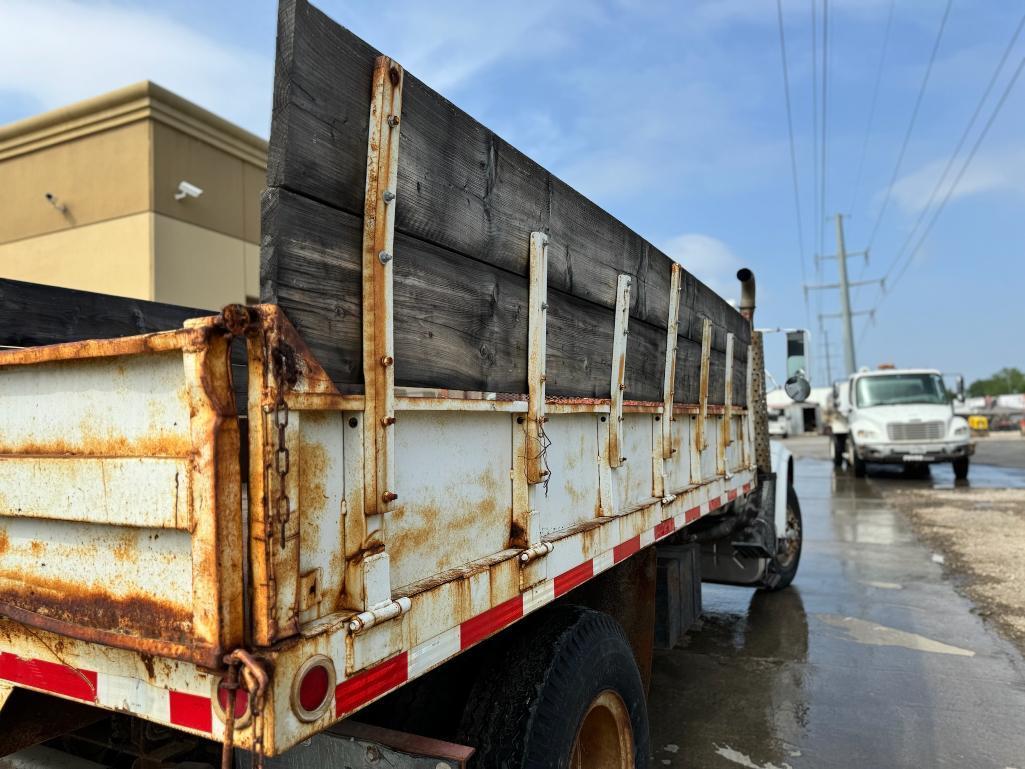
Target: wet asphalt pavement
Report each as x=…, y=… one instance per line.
x=871, y=659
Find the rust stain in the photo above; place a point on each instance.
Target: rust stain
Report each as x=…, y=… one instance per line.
x=5, y=541
x=133, y=614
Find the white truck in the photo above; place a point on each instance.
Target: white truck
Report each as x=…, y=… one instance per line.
x=898, y=416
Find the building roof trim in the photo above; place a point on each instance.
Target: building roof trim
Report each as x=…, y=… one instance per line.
x=133, y=103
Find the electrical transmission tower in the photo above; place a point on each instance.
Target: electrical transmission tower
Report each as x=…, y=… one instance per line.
x=846, y=314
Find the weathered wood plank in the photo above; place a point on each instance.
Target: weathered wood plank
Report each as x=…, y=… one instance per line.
x=459, y=323
x=32, y=315
x=460, y=186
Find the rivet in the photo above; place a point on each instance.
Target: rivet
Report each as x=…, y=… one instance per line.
x=388, y=196
x=387, y=421
x=387, y=360
x=393, y=120
x=544, y=305
x=353, y=421
x=519, y=420
x=385, y=257
x=389, y=496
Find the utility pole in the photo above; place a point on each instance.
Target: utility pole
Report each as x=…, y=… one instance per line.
x=845, y=299
x=844, y=286
x=829, y=364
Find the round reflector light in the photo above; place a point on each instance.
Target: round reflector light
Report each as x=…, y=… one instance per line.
x=312, y=688
x=241, y=703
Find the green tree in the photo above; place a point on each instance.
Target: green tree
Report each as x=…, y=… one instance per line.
x=1006, y=380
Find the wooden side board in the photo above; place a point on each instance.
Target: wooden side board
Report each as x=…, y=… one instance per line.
x=32, y=315
x=466, y=204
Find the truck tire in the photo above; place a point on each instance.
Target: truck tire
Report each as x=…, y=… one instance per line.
x=856, y=462
x=961, y=468
x=783, y=567
x=836, y=449
x=563, y=693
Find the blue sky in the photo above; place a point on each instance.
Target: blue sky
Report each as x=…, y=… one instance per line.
x=671, y=116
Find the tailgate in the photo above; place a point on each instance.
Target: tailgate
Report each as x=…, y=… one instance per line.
x=120, y=511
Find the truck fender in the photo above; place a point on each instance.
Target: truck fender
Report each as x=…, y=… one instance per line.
x=783, y=467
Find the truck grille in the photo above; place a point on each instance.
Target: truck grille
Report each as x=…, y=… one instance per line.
x=916, y=431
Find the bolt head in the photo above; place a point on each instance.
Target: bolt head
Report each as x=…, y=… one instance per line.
x=388, y=196
x=384, y=257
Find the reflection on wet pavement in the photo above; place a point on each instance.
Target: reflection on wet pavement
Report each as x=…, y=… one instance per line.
x=870, y=660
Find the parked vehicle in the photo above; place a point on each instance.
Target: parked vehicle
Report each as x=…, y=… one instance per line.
x=899, y=416
x=779, y=423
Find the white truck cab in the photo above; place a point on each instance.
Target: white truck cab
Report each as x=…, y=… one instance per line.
x=899, y=416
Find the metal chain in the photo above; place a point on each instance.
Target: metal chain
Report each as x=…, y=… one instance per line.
x=256, y=681
x=282, y=458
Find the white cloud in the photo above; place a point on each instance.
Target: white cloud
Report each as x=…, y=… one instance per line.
x=446, y=44
x=708, y=259
x=999, y=170
x=53, y=53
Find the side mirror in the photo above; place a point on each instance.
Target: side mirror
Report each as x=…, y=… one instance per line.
x=960, y=387
x=797, y=386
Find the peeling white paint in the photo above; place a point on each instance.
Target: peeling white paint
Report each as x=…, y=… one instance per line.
x=740, y=759
x=671, y=748
x=937, y=558
x=865, y=632
x=883, y=585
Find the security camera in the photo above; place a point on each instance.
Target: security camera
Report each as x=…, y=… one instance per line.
x=187, y=190
x=52, y=200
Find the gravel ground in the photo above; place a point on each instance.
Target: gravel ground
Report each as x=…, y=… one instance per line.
x=980, y=533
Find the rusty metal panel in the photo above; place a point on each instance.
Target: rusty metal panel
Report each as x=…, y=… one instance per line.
x=118, y=491
x=127, y=405
x=453, y=477
x=321, y=490
x=633, y=479
x=572, y=495
x=678, y=465
x=120, y=513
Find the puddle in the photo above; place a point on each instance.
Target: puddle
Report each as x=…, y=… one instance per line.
x=742, y=759
x=865, y=632
x=883, y=585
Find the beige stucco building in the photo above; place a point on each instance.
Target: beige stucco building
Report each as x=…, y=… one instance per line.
x=116, y=221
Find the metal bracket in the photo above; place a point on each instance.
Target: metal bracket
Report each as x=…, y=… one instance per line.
x=618, y=383
x=700, y=440
x=378, y=244
x=669, y=375
x=536, y=353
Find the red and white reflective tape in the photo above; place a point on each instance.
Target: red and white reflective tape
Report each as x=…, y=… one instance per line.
x=169, y=706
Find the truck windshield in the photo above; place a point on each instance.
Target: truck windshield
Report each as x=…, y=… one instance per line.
x=893, y=389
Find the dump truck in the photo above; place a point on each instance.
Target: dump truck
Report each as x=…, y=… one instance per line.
x=432, y=503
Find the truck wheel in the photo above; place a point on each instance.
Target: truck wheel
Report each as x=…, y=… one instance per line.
x=783, y=567
x=961, y=468
x=856, y=462
x=564, y=692
x=836, y=449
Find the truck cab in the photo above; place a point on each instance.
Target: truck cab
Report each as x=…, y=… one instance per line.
x=899, y=416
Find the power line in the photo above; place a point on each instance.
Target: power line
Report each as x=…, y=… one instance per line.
x=816, y=211
x=825, y=113
x=793, y=153
x=872, y=108
x=911, y=125
x=960, y=174
x=960, y=145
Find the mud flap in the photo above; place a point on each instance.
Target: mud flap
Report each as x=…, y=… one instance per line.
x=742, y=557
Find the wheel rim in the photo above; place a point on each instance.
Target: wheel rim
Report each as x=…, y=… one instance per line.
x=605, y=738
x=791, y=540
